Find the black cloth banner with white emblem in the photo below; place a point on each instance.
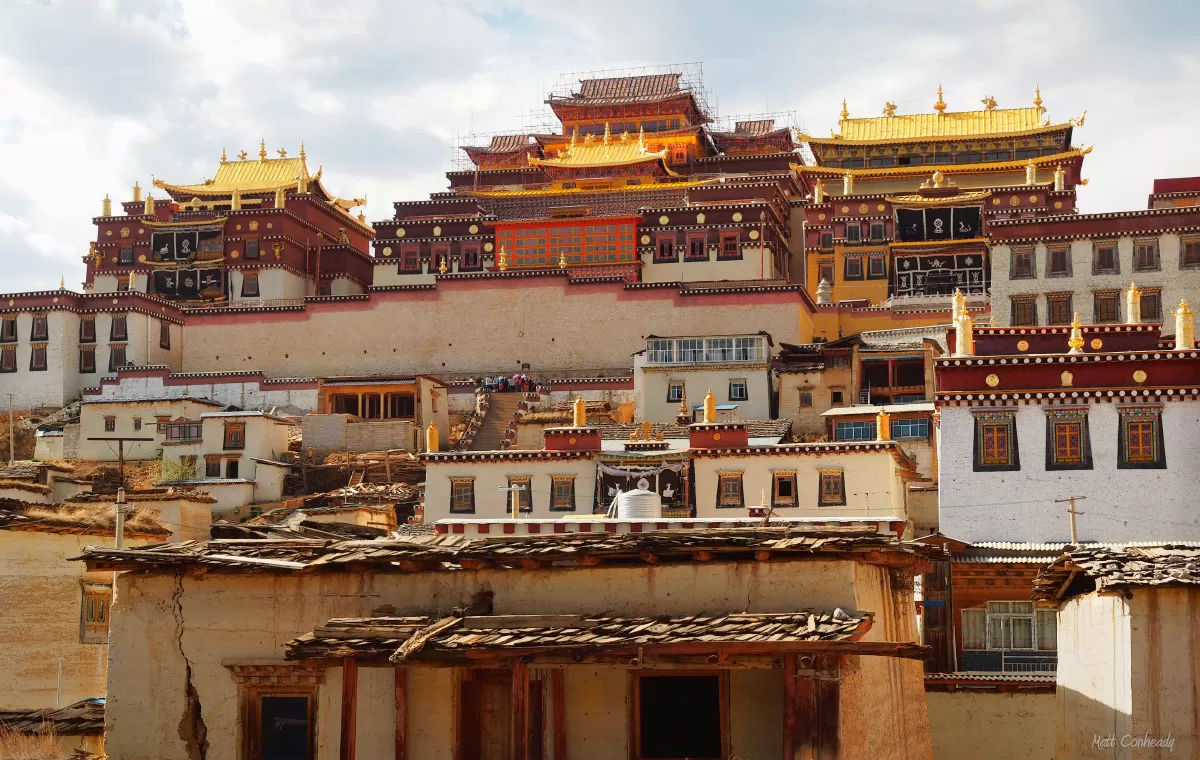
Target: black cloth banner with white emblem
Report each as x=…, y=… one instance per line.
x=183, y=244
x=938, y=224
x=189, y=283
x=911, y=225
x=966, y=223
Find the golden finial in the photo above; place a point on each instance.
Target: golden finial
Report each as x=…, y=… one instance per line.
x=940, y=105
x=889, y=108
x=224, y=159
x=62, y=282
x=148, y=210
x=989, y=102
x=710, y=408
x=242, y=155
x=137, y=192
x=845, y=110
x=262, y=149
x=625, y=135
x=442, y=266
x=133, y=280
x=431, y=438
x=1037, y=98
x=574, y=136
x=1185, y=328
x=235, y=200
x=362, y=217
x=1075, y=342
x=280, y=198
x=503, y=263
x=282, y=152
x=302, y=156
x=106, y=206
x=607, y=134
x=589, y=138
x=684, y=412
x=642, y=137
x=562, y=259
x=579, y=412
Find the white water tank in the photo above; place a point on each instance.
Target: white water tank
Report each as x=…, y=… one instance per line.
x=638, y=505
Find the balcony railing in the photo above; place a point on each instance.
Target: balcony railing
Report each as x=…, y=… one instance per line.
x=1009, y=661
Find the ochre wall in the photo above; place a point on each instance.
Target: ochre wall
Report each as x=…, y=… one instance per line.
x=989, y=725
x=475, y=326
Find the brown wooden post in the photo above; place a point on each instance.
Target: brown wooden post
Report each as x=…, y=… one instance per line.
x=789, y=707
x=519, y=733
x=803, y=711
x=558, y=701
x=349, y=707
x=828, y=707
x=401, y=712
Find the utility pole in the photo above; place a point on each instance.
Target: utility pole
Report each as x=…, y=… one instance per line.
x=516, y=500
x=1070, y=500
x=120, y=451
x=120, y=521
x=11, y=439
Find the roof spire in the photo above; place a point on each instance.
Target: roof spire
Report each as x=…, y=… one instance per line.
x=242, y=155
x=262, y=149
x=223, y=158
x=1037, y=98
x=106, y=206
x=282, y=152
x=62, y=283
x=940, y=105
x=845, y=110
x=1075, y=342
x=607, y=134
x=302, y=156
x=889, y=108
x=137, y=192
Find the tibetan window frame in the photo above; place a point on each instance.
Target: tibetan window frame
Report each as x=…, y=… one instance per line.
x=525, y=499
x=877, y=266
x=250, y=285
x=87, y=329
x=253, y=249
x=212, y=465
x=8, y=358
x=438, y=254
x=234, y=438
x=731, y=246
x=831, y=487
x=1058, y=255
x=742, y=386
x=462, y=495
x=110, y=423
x=410, y=259
x=164, y=334
x=261, y=679
x=853, y=268
x=697, y=248
x=806, y=398
x=116, y=357
x=94, y=610
x=39, y=331
x=786, y=478
x=665, y=249
x=1106, y=297
x=1189, y=253
x=1022, y=273
x=87, y=360
x=730, y=493
x=878, y=232
x=1153, y=250
x=989, y=427
x=1151, y=303
x=825, y=241
x=1143, y=423
x=1110, y=245
x=126, y=255
x=564, y=500
x=37, y=357
x=856, y=228
x=119, y=329
x=1068, y=441
x=1055, y=303
x=1018, y=305
x=672, y=387
x=8, y=329
x=469, y=258
x=823, y=266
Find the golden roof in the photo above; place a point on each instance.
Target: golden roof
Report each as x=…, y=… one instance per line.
x=946, y=200
x=601, y=152
x=945, y=125
x=259, y=175
x=916, y=171
x=587, y=190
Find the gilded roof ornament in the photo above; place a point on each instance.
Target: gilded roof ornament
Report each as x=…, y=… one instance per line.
x=137, y=192
x=710, y=408
x=607, y=134
x=224, y=159
x=579, y=412
x=1037, y=98
x=562, y=260
x=262, y=149
x=442, y=266
x=989, y=102
x=1079, y=122
x=282, y=152
x=889, y=108
x=574, y=136
x=106, y=206
x=242, y=155
x=1075, y=342
x=503, y=262
x=845, y=110
x=302, y=156
x=940, y=105
x=588, y=138
x=62, y=283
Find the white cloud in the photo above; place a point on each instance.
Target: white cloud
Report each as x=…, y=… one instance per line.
x=97, y=95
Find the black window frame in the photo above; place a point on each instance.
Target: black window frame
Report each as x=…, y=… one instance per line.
x=1013, y=273
x=459, y=510
x=251, y=288
x=739, y=382
x=253, y=249
x=1064, y=417
x=87, y=329
x=855, y=272
x=1140, y=414
x=1156, y=265
x=555, y=504
x=1006, y=420
x=1110, y=247
x=1106, y=297
x=39, y=329
x=882, y=272
x=722, y=477
x=1016, y=304
x=8, y=329
x=123, y=333
x=87, y=360
x=38, y=357
x=822, y=499
x=1056, y=301
x=8, y=359
x=1054, y=251
x=115, y=349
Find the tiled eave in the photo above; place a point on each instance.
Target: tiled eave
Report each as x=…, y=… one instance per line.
x=793, y=449
x=1117, y=395
x=503, y=456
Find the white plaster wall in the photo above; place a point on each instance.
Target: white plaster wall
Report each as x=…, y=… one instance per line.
x=273, y=284
x=59, y=383
x=749, y=267
x=1164, y=631
x=1121, y=505
x=48, y=447
x=389, y=274
x=651, y=384
x=492, y=503
x=873, y=486
x=1176, y=283
x=244, y=395
x=91, y=425
x=1094, y=695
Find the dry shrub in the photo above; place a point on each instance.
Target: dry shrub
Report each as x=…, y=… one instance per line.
x=40, y=746
x=86, y=515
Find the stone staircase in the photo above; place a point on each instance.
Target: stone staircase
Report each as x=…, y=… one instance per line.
x=502, y=407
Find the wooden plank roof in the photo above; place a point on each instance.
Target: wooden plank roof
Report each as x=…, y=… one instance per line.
x=82, y=718
x=1080, y=570
x=409, y=553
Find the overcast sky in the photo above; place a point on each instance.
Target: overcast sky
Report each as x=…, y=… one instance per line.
x=96, y=94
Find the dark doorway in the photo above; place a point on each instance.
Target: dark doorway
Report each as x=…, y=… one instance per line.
x=680, y=717
x=285, y=728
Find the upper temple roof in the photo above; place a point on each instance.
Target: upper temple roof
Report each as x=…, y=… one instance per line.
x=256, y=175
x=638, y=89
